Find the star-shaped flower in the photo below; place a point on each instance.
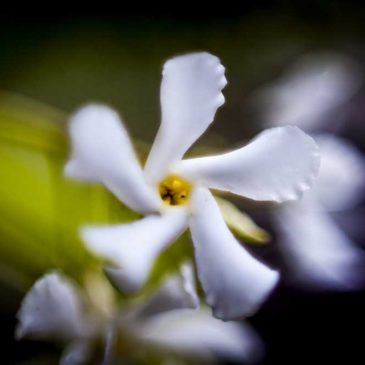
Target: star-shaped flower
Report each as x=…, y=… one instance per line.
x=318, y=252
x=173, y=194
x=314, y=95
x=97, y=330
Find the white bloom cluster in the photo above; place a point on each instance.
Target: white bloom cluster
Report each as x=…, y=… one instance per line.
x=167, y=322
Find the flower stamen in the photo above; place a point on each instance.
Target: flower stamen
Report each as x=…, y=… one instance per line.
x=174, y=190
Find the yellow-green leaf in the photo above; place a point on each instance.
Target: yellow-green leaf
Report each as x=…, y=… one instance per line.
x=241, y=224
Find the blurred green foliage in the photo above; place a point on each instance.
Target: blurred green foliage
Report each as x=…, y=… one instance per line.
x=40, y=210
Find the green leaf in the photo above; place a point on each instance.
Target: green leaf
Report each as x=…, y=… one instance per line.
x=241, y=224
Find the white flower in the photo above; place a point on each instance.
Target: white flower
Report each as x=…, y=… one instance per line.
x=278, y=165
x=56, y=309
x=318, y=252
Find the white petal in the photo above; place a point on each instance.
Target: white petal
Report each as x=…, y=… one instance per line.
x=51, y=309
x=235, y=283
x=133, y=247
x=176, y=292
x=278, y=165
x=188, y=282
x=190, y=96
x=77, y=353
x=310, y=91
x=102, y=152
x=340, y=183
x=110, y=345
x=317, y=252
x=198, y=333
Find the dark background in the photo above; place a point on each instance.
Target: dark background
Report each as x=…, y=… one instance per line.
x=67, y=60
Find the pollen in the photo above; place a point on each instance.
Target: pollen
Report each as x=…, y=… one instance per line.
x=174, y=190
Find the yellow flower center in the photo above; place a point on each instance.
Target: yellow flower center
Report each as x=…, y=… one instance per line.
x=174, y=190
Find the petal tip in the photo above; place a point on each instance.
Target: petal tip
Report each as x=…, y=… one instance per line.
x=227, y=313
x=70, y=170
x=90, y=110
x=123, y=282
x=94, y=241
x=20, y=332
x=87, y=234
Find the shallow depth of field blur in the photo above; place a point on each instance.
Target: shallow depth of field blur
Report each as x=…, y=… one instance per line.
x=51, y=66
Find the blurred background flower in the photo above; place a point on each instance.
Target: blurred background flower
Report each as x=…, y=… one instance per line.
x=167, y=326
x=50, y=66
x=310, y=94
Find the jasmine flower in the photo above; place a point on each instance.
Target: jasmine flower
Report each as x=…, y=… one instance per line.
x=317, y=251
x=173, y=194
